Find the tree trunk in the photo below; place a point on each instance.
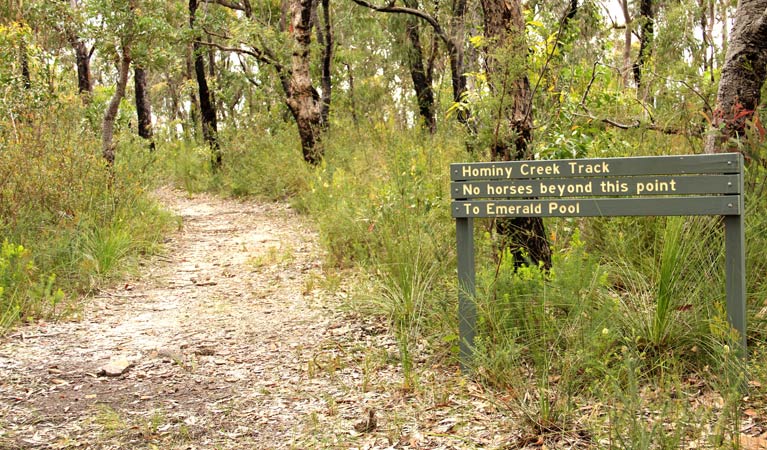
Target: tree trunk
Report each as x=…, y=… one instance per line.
x=352, y=102
x=324, y=31
x=743, y=75
x=24, y=62
x=84, y=80
x=505, y=28
x=194, y=102
x=707, y=19
x=419, y=75
x=177, y=114
x=725, y=25
x=647, y=14
x=309, y=110
x=456, y=57
x=626, y=70
x=301, y=97
x=110, y=115
x=143, y=107
x=327, y=58
x=207, y=108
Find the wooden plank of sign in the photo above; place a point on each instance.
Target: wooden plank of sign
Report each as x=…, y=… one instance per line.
x=591, y=187
x=723, y=163
x=600, y=207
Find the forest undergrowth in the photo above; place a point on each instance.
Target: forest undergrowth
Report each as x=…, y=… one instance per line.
x=69, y=222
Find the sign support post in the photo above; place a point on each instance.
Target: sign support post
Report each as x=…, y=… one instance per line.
x=467, y=308
x=735, y=248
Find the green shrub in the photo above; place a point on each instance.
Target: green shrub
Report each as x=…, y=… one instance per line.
x=24, y=293
x=74, y=216
x=563, y=315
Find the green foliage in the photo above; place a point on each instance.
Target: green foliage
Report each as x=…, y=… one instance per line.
x=22, y=294
x=379, y=200
x=254, y=164
x=541, y=317
x=678, y=281
x=74, y=217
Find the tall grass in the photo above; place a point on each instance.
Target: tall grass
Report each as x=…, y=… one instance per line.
x=255, y=163
x=76, y=220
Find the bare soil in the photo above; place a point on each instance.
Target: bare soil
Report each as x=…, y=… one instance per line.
x=234, y=338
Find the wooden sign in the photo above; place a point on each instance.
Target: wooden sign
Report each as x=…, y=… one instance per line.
x=638, y=186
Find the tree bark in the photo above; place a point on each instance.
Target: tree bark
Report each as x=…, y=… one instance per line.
x=309, y=110
x=743, y=75
x=194, y=102
x=110, y=115
x=301, y=97
x=26, y=77
x=505, y=28
x=647, y=14
x=207, y=107
x=83, y=60
x=707, y=19
x=456, y=57
x=352, y=102
x=626, y=42
x=324, y=31
x=327, y=59
x=454, y=41
x=143, y=107
x=420, y=76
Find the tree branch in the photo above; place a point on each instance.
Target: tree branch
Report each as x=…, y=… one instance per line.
x=253, y=51
x=227, y=4
x=636, y=124
x=591, y=83
x=245, y=72
x=390, y=8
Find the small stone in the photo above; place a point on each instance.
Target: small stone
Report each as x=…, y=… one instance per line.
x=205, y=350
x=115, y=367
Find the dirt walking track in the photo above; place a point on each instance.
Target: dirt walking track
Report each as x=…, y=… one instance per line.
x=230, y=339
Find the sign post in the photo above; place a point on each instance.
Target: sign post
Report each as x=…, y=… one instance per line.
x=637, y=186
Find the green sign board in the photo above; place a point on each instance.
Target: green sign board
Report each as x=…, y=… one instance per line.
x=638, y=186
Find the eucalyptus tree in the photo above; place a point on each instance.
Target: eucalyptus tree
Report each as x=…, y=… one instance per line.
x=129, y=33
x=61, y=24
x=143, y=106
x=207, y=105
x=743, y=76
x=512, y=119
x=70, y=23
x=646, y=32
x=281, y=39
x=117, y=37
x=153, y=51
x=421, y=70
